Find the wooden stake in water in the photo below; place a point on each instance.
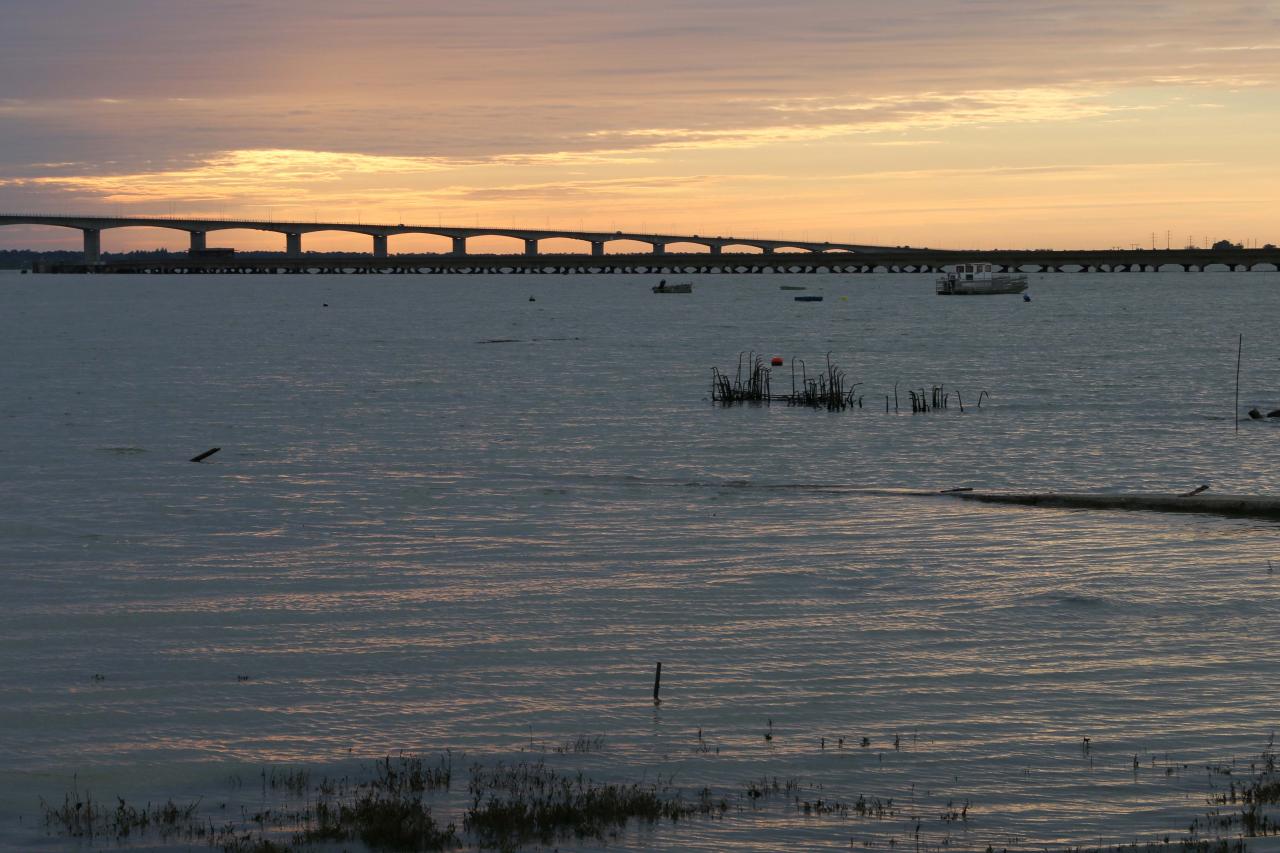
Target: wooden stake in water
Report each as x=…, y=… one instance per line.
x=1239, y=350
x=657, y=681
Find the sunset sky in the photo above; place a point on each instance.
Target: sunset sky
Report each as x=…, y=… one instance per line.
x=1016, y=123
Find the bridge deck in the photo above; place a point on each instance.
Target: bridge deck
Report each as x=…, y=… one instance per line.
x=798, y=254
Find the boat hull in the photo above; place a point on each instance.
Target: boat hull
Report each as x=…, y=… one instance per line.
x=997, y=286
x=983, y=292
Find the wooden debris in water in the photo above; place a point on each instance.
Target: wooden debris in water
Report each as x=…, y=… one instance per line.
x=1243, y=506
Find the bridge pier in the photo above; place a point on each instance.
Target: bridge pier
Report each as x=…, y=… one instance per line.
x=293, y=245
x=531, y=246
x=716, y=249
x=459, y=245
x=659, y=248
x=768, y=250
x=199, y=241
x=379, y=245
x=92, y=245
x=597, y=248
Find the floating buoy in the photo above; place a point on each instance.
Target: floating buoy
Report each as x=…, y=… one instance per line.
x=531, y=299
x=776, y=361
x=1026, y=297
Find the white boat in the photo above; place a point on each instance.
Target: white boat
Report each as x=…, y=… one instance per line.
x=979, y=280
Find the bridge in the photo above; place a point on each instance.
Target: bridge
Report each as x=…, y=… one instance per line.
x=809, y=257
x=199, y=229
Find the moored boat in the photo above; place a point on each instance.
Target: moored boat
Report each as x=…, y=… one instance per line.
x=663, y=287
x=979, y=280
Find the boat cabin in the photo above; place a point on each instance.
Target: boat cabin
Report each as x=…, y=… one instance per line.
x=966, y=272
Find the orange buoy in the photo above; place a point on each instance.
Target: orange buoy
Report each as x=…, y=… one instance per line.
x=777, y=361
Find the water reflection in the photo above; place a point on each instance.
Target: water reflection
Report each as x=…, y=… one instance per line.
x=501, y=538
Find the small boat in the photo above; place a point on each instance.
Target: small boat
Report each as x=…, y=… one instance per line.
x=979, y=280
x=663, y=287
x=793, y=287
x=808, y=299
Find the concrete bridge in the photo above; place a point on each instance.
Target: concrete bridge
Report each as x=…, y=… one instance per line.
x=199, y=229
x=768, y=257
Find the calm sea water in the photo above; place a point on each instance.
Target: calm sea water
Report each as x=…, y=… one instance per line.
x=416, y=537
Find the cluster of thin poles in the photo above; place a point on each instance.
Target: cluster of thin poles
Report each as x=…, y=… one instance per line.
x=754, y=388
x=938, y=397
x=828, y=389
x=825, y=390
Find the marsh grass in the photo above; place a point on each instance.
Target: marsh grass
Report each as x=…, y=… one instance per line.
x=512, y=805
x=381, y=819
x=83, y=817
x=583, y=743
x=387, y=805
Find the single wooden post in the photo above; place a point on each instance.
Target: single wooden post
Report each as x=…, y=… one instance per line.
x=1239, y=350
x=206, y=454
x=657, y=681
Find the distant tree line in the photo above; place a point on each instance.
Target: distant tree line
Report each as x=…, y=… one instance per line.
x=21, y=259
x=1227, y=244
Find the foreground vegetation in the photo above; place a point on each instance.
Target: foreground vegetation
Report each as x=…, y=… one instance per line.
x=528, y=805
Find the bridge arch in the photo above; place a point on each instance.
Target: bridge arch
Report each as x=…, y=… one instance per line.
x=495, y=243
x=687, y=247
x=131, y=238
x=565, y=244
x=419, y=243
x=626, y=246
x=50, y=237
x=334, y=240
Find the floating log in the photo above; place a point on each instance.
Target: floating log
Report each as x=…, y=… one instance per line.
x=1241, y=506
x=206, y=454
